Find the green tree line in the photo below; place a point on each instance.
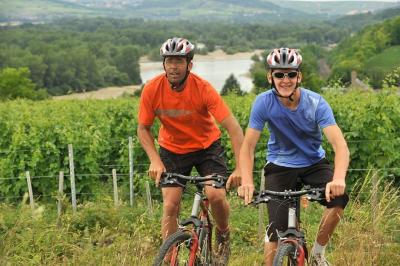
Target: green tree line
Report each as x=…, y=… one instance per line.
x=85, y=54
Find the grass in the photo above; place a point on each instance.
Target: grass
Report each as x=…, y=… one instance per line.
x=99, y=234
x=385, y=61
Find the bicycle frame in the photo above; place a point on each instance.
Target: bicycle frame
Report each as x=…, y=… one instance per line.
x=194, y=233
x=293, y=235
x=200, y=219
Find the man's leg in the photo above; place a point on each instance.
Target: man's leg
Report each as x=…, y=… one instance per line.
x=171, y=203
x=318, y=175
x=220, y=211
x=329, y=221
x=269, y=252
x=219, y=207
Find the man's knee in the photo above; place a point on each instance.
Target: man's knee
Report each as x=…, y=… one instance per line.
x=170, y=208
x=216, y=196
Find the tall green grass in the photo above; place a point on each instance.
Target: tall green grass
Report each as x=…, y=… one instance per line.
x=99, y=234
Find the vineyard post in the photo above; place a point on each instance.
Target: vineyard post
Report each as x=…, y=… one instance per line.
x=131, y=190
x=60, y=196
x=28, y=179
x=72, y=175
x=148, y=196
x=261, y=207
x=115, y=187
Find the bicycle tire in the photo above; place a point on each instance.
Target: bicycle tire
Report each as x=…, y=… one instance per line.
x=179, y=239
x=285, y=254
x=206, y=255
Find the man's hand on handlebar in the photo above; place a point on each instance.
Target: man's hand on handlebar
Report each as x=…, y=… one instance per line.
x=155, y=170
x=234, y=179
x=246, y=191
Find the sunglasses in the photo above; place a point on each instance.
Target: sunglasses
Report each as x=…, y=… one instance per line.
x=282, y=75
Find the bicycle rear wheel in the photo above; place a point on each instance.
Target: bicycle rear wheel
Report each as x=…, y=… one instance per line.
x=285, y=255
x=176, y=250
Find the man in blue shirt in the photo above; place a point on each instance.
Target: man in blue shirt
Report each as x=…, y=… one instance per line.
x=296, y=118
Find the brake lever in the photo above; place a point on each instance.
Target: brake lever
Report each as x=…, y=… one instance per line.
x=317, y=195
x=169, y=180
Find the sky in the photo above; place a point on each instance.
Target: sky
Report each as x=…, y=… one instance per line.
x=348, y=0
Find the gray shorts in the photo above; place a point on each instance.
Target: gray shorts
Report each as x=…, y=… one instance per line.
x=208, y=161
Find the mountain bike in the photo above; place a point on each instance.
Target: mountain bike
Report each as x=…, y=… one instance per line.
x=292, y=245
x=191, y=244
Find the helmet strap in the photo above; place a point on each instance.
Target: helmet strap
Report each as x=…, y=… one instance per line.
x=177, y=86
x=276, y=92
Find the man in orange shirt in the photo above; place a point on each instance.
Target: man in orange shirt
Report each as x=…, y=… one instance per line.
x=186, y=106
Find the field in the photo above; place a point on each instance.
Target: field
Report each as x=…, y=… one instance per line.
x=100, y=234
x=35, y=137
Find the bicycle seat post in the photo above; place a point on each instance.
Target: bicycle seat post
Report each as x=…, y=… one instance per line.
x=292, y=219
x=196, y=204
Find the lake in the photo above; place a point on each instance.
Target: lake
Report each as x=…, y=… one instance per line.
x=214, y=67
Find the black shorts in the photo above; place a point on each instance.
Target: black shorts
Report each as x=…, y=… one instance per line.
x=208, y=161
x=279, y=178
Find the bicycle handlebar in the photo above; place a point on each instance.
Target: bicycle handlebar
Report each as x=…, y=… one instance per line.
x=313, y=194
x=173, y=178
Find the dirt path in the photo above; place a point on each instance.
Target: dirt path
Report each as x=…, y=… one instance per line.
x=105, y=93
x=324, y=69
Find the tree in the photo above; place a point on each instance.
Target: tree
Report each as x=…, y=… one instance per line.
x=231, y=86
x=127, y=61
x=15, y=83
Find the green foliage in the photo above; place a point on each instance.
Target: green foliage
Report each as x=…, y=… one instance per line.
x=312, y=55
x=392, y=80
x=231, y=86
x=382, y=64
x=370, y=123
x=15, y=83
x=35, y=138
x=75, y=55
x=100, y=234
x=368, y=52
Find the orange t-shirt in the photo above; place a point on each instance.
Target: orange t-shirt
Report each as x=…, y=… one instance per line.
x=186, y=117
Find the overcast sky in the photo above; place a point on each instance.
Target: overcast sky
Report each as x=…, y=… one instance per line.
x=348, y=0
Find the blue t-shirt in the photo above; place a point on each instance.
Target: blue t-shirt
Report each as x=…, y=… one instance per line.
x=295, y=135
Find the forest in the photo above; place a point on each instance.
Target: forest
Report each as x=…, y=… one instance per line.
x=77, y=55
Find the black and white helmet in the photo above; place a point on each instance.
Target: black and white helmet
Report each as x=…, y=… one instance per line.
x=177, y=47
x=284, y=58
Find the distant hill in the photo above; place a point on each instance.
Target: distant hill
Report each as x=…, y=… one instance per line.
x=359, y=21
x=334, y=9
x=36, y=11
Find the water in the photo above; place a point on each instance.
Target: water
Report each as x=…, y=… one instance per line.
x=215, y=71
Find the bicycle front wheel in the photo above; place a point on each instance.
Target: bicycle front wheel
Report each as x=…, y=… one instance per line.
x=285, y=255
x=205, y=257
x=176, y=250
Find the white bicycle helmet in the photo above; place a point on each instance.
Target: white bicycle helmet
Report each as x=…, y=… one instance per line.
x=284, y=58
x=177, y=47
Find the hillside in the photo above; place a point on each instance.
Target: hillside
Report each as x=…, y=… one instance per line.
x=334, y=8
x=359, y=21
x=36, y=11
x=372, y=52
